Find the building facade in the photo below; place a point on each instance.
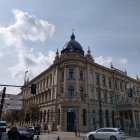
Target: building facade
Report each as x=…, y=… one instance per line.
x=77, y=93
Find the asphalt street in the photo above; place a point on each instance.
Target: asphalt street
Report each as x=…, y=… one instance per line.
x=71, y=136
x=64, y=136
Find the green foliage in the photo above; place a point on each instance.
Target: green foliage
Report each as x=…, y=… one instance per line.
x=13, y=116
x=33, y=112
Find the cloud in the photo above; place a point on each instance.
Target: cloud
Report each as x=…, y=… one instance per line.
x=27, y=28
x=1, y=54
x=123, y=61
x=29, y=60
x=104, y=61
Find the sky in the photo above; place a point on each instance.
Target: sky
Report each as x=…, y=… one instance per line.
x=32, y=30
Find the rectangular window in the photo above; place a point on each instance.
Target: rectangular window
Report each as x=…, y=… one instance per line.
x=111, y=98
x=50, y=79
x=121, y=87
x=71, y=73
x=109, y=82
x=47, y=80
x=116, y=85
x=97, y=79
x=105, y=97
x=62, y=75
x=81, y=75
x=104, y=81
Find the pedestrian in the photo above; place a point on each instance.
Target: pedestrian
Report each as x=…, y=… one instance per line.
x=95, y=127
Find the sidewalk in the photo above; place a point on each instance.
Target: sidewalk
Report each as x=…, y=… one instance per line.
x=82, y=134
x=68, y=134
x=131, y=134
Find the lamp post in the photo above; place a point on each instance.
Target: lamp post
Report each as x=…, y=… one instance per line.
x=100, y=110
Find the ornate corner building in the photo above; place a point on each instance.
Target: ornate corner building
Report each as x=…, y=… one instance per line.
x=77, y=93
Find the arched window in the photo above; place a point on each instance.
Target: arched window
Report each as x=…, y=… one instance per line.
x=84, y=117
x=44, y=117
x=41, y=116
x=58, y=116
x=71, y=91
x=48, y=116
x=107, y=118
x=113, y=120
x=94, y=117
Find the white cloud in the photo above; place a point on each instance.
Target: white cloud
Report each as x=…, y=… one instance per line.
x=104, y=61
x=36, y=62
x=123, y=61
x=1, y=54
x=27, y=27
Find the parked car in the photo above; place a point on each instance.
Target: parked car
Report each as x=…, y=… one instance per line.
x=20, y=133
x=35, y=129
x=3, y=126
x=106, y=134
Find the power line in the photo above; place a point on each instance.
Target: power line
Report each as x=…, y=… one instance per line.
x=10, y=85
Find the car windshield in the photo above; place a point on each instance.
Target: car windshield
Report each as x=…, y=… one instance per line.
x=37, y=128
x=2, y=124
x=22, y=129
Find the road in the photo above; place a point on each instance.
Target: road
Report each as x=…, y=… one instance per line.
x=70, y=136
x=63, y=136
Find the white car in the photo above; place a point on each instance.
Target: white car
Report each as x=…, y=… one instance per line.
x=106, y=134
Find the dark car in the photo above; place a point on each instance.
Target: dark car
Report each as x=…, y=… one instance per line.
x=35, y=129
x=20, y=133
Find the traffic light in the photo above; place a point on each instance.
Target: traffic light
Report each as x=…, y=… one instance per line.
x=2, y=101
x=33, y=89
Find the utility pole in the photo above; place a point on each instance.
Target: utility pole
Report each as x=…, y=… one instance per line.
x=1, y=107
x=2, y=102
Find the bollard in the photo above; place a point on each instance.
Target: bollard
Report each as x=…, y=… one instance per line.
x=58, y=138
x=37, y=137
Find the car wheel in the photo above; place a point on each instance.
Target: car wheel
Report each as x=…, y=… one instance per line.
x=91, y=137
x=113, y=138
x=18, y=137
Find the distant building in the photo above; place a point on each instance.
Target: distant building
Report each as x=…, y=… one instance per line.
x=70, y=90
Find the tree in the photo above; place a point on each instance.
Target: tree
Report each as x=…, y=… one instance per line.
x=12, y=116
x=34, y=111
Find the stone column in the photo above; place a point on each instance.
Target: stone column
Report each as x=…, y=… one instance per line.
x=77, y=83
x=134, y=119
x=65, y=78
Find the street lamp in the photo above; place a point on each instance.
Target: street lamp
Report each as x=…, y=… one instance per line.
x=100, y=110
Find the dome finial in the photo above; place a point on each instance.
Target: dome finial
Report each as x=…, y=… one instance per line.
x=57, y=53
x=111, y=66
x=89, y=52
x=72, y=36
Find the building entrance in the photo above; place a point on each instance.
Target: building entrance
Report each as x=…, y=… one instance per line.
x=70, y=119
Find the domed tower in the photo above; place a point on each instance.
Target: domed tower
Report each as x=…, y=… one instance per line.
x=72, y=47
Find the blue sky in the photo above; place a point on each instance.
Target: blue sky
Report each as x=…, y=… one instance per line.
x=32, y=30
